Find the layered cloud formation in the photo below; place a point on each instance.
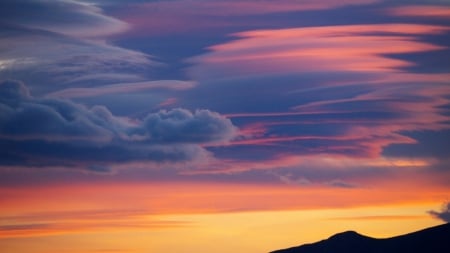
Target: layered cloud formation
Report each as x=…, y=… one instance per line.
x=332, y=90
x=57, y=132
x=64, y=49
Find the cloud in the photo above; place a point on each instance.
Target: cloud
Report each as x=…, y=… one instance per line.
x=123, y=88
x=347, y=90
x=58, y=132
x=59, y=44
x=182, y=126
x=69, y=17
x=443, y=214
x=340, y=184
x=202, y=15
x=315, y=49
x=62, y=222
x=53, y=61
x=430, y=11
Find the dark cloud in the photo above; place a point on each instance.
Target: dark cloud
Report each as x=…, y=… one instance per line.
x=181, y=126
x=57, y=132
x=443, y=214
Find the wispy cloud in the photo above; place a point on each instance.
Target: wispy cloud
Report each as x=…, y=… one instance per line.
x=209, y=15
x=123, y=88
x=69, y=17
x=351, y=48
x=428, y=11
x=66, y=222
x=341, y=90
x=54, y=44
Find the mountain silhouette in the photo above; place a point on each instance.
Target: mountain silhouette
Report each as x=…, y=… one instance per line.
x=435, y=239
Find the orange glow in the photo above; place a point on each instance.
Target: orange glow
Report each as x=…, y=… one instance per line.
x=155, y=214
x=93, y=201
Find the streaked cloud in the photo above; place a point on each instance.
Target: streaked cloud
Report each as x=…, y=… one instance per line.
x=352, y=48
x=65, y=49
x=122, y=88
x=209, y=15
x=428, y=11
x=332, y=90
x=66, y=222
x=69, y=17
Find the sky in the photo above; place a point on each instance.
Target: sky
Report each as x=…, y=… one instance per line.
x=150, y=126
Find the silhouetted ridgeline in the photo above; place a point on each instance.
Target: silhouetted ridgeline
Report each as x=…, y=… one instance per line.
x=430, y=240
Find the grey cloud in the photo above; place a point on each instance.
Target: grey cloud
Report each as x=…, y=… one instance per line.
x=59, y=44
x=124, y=88
x=51, y=61
x=68, y=17
x=340, y=184
x=443, y=214
x=181, y=125
x=25, y=117
x=56, y=132
x=303, y=177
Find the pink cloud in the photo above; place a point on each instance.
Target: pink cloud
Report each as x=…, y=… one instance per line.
x=165, y=17
x=350, y=48
x=400, y=99
x=167, y=102
x=429, y=11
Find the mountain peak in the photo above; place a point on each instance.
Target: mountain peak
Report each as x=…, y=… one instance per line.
x=346, y=235
x=427, y=240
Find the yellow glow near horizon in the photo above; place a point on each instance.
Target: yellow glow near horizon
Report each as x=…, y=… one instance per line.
x=249, y=232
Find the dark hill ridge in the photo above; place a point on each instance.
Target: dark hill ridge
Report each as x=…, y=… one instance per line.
x=430, y=240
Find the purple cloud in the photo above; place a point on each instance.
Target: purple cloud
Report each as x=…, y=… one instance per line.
x=59, y=44
x=57, y=132
x=69, y=17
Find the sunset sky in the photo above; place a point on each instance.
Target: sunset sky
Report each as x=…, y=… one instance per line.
x=160, y=126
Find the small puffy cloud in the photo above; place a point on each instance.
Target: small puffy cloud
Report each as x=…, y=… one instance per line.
x=443, y=214
x=57, y=132
x=181, y=125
